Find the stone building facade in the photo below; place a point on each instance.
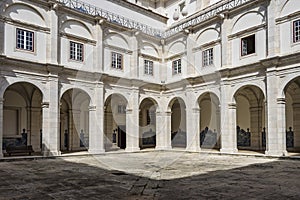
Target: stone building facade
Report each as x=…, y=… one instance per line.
x=162, y=74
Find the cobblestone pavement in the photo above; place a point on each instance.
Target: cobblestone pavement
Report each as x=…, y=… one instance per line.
x=151, y=175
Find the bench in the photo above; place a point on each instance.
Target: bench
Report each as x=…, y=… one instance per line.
x=19, y=149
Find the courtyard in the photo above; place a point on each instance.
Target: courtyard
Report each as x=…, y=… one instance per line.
x=150, y=175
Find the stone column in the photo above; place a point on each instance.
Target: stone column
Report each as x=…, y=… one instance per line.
x=1, y=126
x=76, y=129
x=296, y=124
x=35, y=128
x=228, y=120
x=51, y=114
x=228, y=135
x=163, y=130
x=193, y=129
x=275, y=136
x=132, y=122
x=96, y=122
x=255, y=127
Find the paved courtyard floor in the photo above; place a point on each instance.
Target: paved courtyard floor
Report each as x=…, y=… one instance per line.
x=151, y=175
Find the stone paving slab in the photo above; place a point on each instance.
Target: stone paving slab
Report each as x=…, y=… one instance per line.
x=151, y=175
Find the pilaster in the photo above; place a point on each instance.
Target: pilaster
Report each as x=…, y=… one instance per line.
x=50, y=127
x=96, y=122
x=1, y=126
x=193, y=129
x=275, y=136
x=52, y=41
x=163, y=130
x=132, y=122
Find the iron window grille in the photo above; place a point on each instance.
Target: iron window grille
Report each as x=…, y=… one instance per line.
x=176, y=66
x=148, y=67
x=25, y=40
x=116, y=60
x=76, y=51
x=296, y=31
x=208, y=57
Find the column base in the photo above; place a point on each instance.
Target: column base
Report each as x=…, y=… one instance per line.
x=132, y=149
x=224, y=150
x=163, y=148
x=276, y=153
x=1, y=155
x=96, y=151
x=51, y=153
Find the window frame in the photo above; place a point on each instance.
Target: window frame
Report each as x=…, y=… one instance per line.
x=76, y=57
x=116, y=61
x=295, y=39
x=242, y=45
x=148, y=67
x=25, y=31
x=210, y=57
x=177, y=63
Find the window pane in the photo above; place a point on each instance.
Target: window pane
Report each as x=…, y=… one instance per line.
x=296, y=34
x=25, y=40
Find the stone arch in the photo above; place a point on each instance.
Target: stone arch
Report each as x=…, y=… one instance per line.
x=177, y=106
x=117, y=40
x=243, y=22
x=292, y=113
x=285, y=82
x=66, y=88
x=9, y=82
x=22, y=112
x=24, y=12
x=250, y=117
x=258, y=84
x=147, y=122
x=176, y=48
x=150, y=50
x=76, y=27
x=210, y=120
x=115, y=108
x=289, y=7
x=74, y=119
x=208, y=35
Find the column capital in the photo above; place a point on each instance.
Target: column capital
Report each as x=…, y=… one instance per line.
x=232, y=105
x=2, y=100
x=281, y=100
x=92, y=108
x=45, y=104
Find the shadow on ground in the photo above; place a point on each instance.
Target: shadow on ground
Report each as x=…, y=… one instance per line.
x=62, y=179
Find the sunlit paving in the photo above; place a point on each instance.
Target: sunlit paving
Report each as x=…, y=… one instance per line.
x=151, y=175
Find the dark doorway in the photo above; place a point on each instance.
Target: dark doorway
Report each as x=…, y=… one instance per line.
x=122, y=137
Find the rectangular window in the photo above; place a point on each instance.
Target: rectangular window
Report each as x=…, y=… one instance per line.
x=148, y=65
x=25, y=40
x=76, y=51
x=208, y=57
x=176, y=66
x=296, y=31
x=248, y=45
x=116, y=60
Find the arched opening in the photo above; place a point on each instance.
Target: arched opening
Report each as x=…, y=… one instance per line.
x=74, y=121
x=22, y=116
x=147, y=123
x=178, y=123
x=115, y=122
x=209, y=121
x=250, y=119
x=292, y=97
